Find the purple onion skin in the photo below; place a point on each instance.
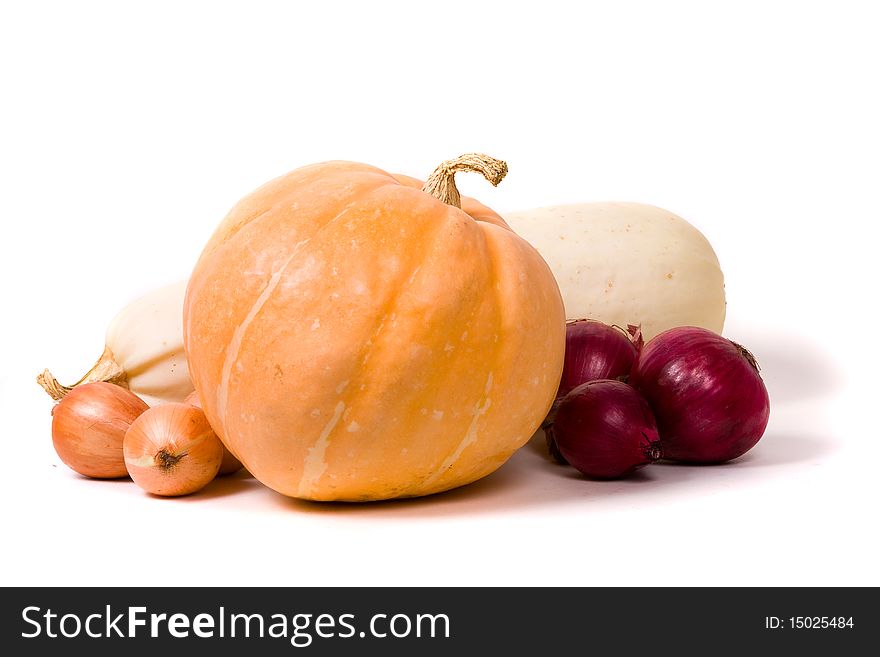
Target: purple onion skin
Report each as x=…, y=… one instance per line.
x=593, y=351
x=710, y=402
x=552, y=447
x=606, y=430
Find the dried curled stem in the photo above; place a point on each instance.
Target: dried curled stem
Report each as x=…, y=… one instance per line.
x=747, y=355
x=441, y=183
x=166, y=460
x=50, y=384
x=105, y=369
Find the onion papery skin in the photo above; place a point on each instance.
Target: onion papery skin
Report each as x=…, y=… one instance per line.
x=606, y=430
x=707, y=394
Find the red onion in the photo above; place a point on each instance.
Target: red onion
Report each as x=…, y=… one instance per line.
x=593, y=351
x=606, y=430
x=710, y=402
x=552, y=447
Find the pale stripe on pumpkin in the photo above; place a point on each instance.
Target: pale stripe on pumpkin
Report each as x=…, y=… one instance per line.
x=470, y=436
x=237, y=337
x=315, y=462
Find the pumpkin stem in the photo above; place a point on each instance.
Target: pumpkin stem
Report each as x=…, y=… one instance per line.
x=441, y=183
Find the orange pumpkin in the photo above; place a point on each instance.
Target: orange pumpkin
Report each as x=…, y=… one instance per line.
x=353, y=337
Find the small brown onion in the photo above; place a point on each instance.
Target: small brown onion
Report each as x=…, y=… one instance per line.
x=88, y=427
x=229, y=464
x=172, y=450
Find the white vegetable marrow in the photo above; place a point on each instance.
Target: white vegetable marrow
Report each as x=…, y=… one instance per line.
x=628, y=263
x=143, y=350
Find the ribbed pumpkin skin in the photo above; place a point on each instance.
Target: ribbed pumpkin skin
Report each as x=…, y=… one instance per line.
x=354, y=338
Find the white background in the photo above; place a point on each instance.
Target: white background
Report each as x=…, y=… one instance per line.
x=128, y=131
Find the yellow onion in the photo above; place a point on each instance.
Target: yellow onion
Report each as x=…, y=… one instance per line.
x=88, y=427
x=172, y=450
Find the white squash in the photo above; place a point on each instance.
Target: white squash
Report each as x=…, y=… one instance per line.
x=143, y=351
x=628, y=263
